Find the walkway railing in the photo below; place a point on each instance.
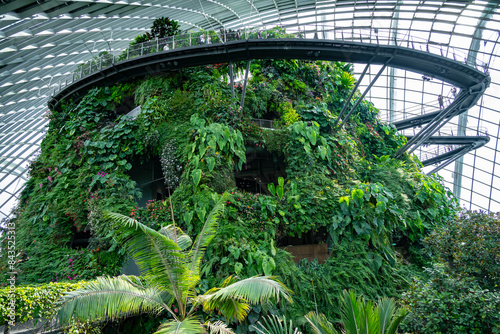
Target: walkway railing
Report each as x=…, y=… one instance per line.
x=376, y=36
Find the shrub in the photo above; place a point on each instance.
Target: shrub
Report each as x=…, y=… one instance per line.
x=34, y=301
x=471, y=246
x=447, y=304
x=351, y=266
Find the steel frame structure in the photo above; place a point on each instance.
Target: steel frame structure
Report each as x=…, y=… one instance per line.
x=42, y=41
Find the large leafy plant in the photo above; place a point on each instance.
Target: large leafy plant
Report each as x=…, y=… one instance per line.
x=446, y=303
x=170, y=262
x=360, y=316
x=471, y=245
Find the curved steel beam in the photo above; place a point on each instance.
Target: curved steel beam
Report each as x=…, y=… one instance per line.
x=451, y=71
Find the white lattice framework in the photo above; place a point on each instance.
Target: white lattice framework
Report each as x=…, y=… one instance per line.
x=42, y=41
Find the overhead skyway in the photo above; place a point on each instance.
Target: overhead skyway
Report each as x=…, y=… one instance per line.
x=455, y=147
x=454, y=72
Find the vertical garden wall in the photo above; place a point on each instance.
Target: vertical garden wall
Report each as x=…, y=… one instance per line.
x=299, y=181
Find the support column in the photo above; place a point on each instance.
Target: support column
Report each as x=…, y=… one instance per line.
x=392, y=70
x=245, y=84
x=462, y=119
x=348, y=100
x=231, y=78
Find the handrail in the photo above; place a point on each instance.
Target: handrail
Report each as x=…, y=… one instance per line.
x=377, y=36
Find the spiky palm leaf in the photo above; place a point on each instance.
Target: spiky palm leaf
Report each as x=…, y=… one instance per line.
x=387, y=306
x=385, y=312
x=206, y=235
x=233, y=301
x=275, y=325
x=190, y=325
x=218, y=327
x=320, y=324
x=159, y=258
x=360, y=317
x=177, y=235
x=352, y=312
x=109, y=298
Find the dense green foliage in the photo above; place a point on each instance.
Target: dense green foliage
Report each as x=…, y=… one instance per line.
x=444, y=303
x=461, y=294
x=470, y=245
x=327, y=185
x=361, y=316
x=34, y=301
x=169, y=261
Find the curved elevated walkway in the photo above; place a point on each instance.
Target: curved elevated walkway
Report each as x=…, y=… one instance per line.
x=471, y=81
x=448, y=70
x=457, y=147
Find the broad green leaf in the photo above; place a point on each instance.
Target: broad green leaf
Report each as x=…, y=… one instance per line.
x=108, y=165
x=322, y=152
x=210, y=163
x=357, y=194
x=196, y=175
x=201, y=212
x=268, y=265
x=213, y=144
x=235, y=251
x=312, y=135
x=188, y=216
x=203, y=149
x=237, y=267
x=271, y=188
x=279, y=192
x=344, y=199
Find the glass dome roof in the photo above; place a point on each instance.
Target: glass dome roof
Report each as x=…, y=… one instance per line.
x=41, y=42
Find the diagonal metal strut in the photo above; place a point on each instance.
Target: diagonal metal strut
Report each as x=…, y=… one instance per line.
x=365, y=92
x=352, y=93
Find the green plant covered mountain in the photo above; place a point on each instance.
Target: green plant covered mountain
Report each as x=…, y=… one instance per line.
x=294, y=178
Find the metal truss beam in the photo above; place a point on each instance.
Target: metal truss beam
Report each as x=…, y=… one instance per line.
x=465, y=100
x=469, y=143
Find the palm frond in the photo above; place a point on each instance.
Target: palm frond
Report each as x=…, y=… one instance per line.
x=233, y=309
x=109, y=298
x=385, y=312
x=206, y=235
x=255, y=290
x=218, y=327
x=320, y=324
x=189, y=325
x=233, y=300
x=275, y=325
x=175, y=233
x=159, y=258
x=371, y=323
x=352, y=313
x=396, y=320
